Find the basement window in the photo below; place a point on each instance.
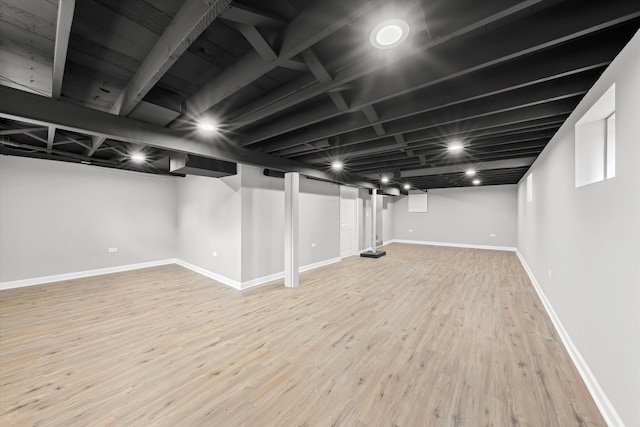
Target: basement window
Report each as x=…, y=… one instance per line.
x=596, y=141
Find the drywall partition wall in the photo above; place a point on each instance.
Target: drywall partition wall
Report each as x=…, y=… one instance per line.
x=60, y=218
x=263, y=223
x=386, y=203
x=477, y=216
x=209, y=225
x=581, y=244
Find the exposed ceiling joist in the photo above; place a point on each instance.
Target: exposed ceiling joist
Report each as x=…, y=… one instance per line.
x=245, y=15
x=373, y=118
x=258, y=42
x=323, y=76
x=191, y=20
x=316, y=22
x=256, y=110
x=6, y=132
x=459, y=65
x=51, y=135
x=38, y=110
x=498, y=164
x=63, y=31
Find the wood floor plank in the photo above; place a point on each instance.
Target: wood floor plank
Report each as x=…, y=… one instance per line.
x=426, y=336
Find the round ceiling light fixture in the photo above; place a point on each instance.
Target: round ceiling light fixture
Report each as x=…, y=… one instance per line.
x=138, y=157
x=337, y=165
x=384, y=179
x=407, y=186
x=207, y=126
x=389, y=33
x=476, y=182
x=470, y=172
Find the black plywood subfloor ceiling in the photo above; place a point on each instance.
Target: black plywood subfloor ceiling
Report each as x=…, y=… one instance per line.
x=298, y=85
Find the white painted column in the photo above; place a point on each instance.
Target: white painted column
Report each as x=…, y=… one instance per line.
x=373, y=219
x=291, y=195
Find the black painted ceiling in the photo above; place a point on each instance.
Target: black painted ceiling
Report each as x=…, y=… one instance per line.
x=299, y=80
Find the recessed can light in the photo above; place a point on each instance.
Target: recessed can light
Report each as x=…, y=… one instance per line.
x=476, y=182
x=384, y=180
x=470, y=172
x=455, y=147
x=138, y=157
x=337, y=165
x=207, y=126
x=407, y=186
x=389, y=33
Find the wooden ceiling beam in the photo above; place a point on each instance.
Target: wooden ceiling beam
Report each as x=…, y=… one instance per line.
x=323, y=76
x=460, y=168
x=7, y=132
x=248, y=16
x=256, y=111
x=474, y=73
x=63, y=31
x=191, y=20
x=319, y=20
x=42, y=111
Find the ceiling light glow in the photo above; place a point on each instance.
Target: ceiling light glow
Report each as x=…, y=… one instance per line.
x=476, y=182
x=207, y=126
x=138, y=157
x=455, y=147
x=470, y=172
x=406, y=186
x=337, y=165
x=389, y=34
x=384, y=180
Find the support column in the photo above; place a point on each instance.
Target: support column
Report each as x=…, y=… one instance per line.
x=373, y=253
x=291, y=195
x=374, y=198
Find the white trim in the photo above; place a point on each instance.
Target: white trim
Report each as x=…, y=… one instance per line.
x=454, y=245
x=81, y=274
x=276, y=276
x=210, y=274
x=607, y=410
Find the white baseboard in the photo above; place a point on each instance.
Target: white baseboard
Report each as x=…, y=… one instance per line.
x=81, y=274
x=277, y=276
x=607, y=410
x=454, y=245
x=210, y=274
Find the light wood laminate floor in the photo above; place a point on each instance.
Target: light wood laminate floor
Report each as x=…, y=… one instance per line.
x=426, y=336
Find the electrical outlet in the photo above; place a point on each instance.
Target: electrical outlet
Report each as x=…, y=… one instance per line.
x=215, y=253
x=492, y=235
x=112, y=250
x=313, y=245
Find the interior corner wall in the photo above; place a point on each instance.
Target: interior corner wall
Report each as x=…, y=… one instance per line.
x=386, y=202
x=60, y=218
x=208, y=221
x=581, y=244
x=467, y=216
x=263, y=223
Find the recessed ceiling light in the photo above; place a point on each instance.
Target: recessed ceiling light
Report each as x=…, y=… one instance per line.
x=406, y=186
x=455, y=147
x=138, y=157
x=336, y=165
x=384, y=180
x=476, y=182
x=207, y=126
x=470, y=172
x=389, y=34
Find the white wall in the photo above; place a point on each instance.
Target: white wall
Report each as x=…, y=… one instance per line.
x=58, y=218
x=263, y=223
x=461, y=216
x=209, y=220
x=582, y=243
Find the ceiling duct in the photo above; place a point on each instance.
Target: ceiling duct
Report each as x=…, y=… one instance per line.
x=203, y=166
